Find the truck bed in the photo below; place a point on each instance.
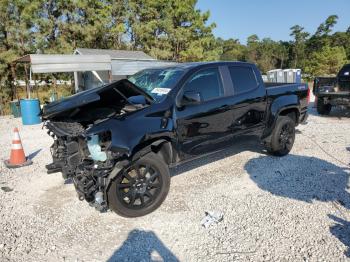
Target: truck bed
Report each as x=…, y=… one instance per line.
x=295, y=92
x=269, y=84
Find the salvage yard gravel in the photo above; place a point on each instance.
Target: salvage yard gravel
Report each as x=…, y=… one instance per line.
x=292, y=208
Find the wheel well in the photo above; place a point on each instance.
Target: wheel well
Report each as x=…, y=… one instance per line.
x=161, y=147
x=293, y=113
x=165, y=150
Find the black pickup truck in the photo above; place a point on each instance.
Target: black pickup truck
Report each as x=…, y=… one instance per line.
x=117, y=142
x=332, y=91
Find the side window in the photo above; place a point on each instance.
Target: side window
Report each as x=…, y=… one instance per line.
x=243, y=79
x=207, y=82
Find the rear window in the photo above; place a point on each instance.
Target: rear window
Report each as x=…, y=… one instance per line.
x=243, y=79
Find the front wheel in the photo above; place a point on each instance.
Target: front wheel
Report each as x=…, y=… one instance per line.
x=283, y=136
x=140, y=188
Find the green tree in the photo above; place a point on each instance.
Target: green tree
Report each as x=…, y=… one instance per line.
x=327, y=27
x=322, y=36
x=171, y=30
x=326, y=62
x=232, y=50
x=341, y=39
x=200, y=43
x=252, y=48
x=298, y=45
x=281, y=53
x=266, y=55
x=62, y=26
x=16, y=39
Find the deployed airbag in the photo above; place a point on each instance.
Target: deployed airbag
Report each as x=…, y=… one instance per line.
x=95, y=149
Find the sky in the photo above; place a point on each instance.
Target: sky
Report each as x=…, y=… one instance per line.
x=239, y=19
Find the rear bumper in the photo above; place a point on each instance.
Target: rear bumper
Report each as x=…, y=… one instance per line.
x=332, y=95
x=336, y=98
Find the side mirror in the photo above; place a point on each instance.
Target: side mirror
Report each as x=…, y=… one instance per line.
x=191, y=98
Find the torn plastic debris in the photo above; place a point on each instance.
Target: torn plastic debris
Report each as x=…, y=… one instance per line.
x=212, y=217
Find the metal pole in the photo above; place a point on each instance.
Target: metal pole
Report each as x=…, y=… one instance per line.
x=76, y=83
x=30, y=79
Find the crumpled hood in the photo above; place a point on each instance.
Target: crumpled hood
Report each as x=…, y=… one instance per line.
x=124, y=86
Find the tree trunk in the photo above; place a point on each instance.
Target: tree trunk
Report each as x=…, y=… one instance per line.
x=27, y=81
x=12, y=83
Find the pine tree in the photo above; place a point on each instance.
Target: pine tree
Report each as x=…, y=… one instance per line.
x=16, y=39
x=298, y=46
x=326, y=62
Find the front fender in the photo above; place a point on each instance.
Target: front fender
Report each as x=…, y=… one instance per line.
x=128, y=133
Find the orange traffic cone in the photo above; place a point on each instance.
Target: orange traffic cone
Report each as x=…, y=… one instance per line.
x=17, y=157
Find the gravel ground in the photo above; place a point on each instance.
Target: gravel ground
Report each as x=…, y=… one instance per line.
x=294, y=208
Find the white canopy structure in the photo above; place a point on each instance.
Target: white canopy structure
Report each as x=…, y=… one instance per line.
x=92, y=67
x=67, y=63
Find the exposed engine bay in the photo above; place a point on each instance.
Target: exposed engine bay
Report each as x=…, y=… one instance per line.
x=81, y=156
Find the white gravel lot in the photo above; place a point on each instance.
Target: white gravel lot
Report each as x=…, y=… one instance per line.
x=294, y=208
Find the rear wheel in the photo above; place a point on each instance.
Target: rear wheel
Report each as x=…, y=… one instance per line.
x=322, y=108
x=282, y=138
x=140, y=188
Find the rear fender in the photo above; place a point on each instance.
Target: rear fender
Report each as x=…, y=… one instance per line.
x=279, y=105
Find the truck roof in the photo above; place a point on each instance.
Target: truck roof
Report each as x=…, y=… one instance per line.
x=190, y=65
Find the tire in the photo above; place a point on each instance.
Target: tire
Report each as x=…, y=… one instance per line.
x=322, y=108
x=140, y=188
x=283, y=136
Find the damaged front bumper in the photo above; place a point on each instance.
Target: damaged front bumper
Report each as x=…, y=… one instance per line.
x=83, y=158
x=66, y=151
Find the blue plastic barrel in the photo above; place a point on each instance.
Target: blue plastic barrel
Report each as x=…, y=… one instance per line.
x=30, y=110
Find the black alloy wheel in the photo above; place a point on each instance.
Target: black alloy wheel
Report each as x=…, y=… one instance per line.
x=282, y=137
x=287, y=135
x=140, y=188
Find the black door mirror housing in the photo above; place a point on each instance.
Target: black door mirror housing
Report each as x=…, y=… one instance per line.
x=191, y=98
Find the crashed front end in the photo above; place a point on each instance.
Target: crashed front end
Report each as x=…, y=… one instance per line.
x=83, y=159
x=83, y=156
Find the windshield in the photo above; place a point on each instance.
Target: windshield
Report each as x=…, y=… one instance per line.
x=157, y=82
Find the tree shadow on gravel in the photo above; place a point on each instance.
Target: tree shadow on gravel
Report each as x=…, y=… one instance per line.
x=341, y=230
x=226, y=149
x=142, y=246
x=300, y=177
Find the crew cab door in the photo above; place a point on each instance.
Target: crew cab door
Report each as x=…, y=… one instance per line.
x=202, y=123
x=248, y=102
